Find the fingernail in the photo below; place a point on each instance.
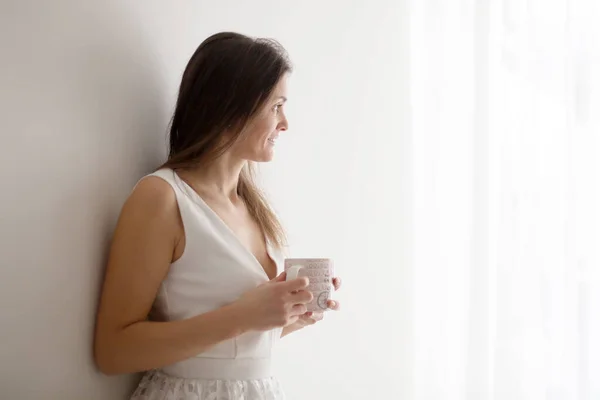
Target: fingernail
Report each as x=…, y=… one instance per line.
x=332, y=303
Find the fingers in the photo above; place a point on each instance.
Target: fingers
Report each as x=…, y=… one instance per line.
x=298, y=310
x=333, y=305
x=311, y=318
x=337, y=283
x=314, y=316
x=293, y=319
x=301, y=297
x=279, y=278
x=295, y=284
x=307, y=320
x=317, y=316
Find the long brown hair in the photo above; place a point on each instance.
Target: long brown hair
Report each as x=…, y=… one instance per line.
x=226, y=82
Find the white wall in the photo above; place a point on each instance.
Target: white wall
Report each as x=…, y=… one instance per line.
x=87, y=90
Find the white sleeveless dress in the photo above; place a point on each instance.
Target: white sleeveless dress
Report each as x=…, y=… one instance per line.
x=214, y=270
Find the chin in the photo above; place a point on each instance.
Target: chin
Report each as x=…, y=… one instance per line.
x=263, y=159
x=265, y=156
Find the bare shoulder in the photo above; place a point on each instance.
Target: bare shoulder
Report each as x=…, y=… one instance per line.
x=152, y=211
x=143, y=246
x=152, y=194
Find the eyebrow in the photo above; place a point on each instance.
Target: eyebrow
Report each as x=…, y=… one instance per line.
x=282, y=98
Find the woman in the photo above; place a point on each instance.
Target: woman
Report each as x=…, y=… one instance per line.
x=192, y=292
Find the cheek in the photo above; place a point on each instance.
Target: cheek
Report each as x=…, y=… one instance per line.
x=254, y=138
x=258, y=131
x=261, y=131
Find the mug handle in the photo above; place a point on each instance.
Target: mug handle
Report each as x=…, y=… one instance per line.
x=292, y=272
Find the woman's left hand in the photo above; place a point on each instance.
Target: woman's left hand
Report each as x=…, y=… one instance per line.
x=332, y=304
x=311, y=318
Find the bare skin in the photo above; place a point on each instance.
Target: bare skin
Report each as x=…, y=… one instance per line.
x=150, y=236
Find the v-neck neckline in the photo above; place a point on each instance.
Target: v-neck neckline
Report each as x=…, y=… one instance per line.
x=200, y=201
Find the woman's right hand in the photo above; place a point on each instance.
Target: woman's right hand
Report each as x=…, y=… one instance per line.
x=275, y=304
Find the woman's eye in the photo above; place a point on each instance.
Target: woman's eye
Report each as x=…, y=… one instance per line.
x=277, y=107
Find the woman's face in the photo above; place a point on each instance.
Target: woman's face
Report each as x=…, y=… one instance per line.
x=258, y=141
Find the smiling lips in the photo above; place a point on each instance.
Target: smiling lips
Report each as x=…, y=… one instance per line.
x=273, y=139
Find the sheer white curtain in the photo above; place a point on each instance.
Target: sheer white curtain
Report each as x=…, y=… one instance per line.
x=505, y=103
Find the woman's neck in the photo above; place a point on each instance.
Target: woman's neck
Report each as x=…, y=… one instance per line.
x=219, y=179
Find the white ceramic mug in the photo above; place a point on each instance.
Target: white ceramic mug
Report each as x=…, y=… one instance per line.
x=319, y=272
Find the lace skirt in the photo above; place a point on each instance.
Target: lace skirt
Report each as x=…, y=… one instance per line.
x=156, y=385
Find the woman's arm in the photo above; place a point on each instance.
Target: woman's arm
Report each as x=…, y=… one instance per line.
x=145, y=345
x=145, y=241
